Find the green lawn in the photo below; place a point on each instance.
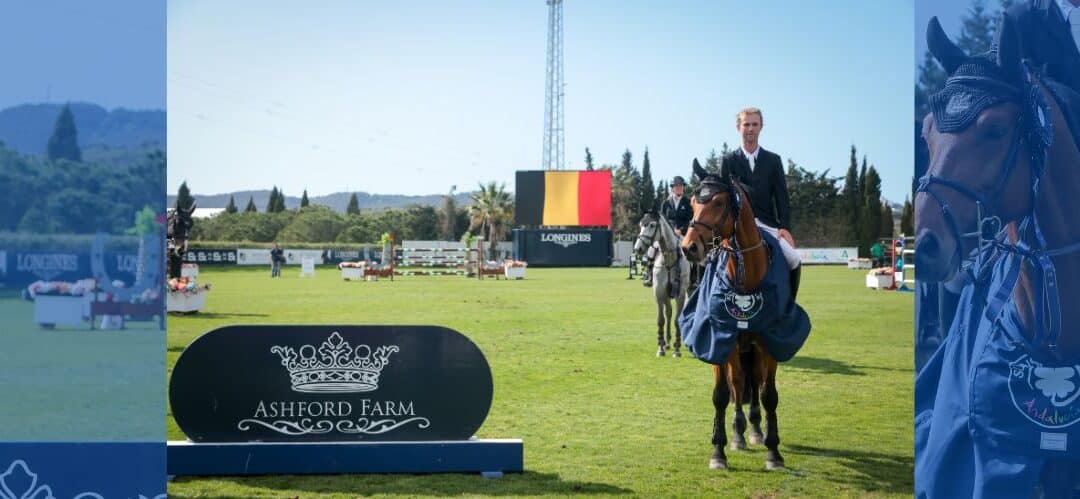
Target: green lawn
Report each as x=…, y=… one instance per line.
x=74, y=384
x=572, y=354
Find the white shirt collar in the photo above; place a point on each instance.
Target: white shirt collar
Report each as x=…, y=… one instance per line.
x=1066, y=7
x=749, y=154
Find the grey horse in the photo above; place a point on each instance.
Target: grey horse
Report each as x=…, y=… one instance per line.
x=671, y=277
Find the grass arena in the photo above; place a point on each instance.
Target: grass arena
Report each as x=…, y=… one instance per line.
x=572, y=353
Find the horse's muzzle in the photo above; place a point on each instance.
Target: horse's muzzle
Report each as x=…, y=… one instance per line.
x=693, y=252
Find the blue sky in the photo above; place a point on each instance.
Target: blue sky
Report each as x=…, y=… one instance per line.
x=110, y=53
x=415, y=97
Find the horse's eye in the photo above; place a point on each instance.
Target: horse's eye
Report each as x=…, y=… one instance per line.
x=996, y=132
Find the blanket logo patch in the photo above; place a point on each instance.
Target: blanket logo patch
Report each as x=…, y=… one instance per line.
x=1045, y=395
x=743, y=307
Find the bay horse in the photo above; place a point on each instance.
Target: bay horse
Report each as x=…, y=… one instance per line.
x=995, y=213
x=724, y=221
x=178, y=225
x=671, y=277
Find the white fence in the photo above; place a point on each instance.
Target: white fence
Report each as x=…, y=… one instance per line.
x=827, y=256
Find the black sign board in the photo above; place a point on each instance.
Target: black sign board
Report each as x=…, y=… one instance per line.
x=211, y=256
x=330, y=383
x=563, y=247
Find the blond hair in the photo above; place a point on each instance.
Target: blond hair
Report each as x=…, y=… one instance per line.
x=746, y=111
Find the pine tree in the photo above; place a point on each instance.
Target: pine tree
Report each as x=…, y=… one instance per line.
x=231, y=207
x=271, y=204
x=907, y=218
x=977, y=31
x=871, y=212
x=183, y=197
x=588, y=160
x=852, y=201
x=64, y=143
x=280, y=206
x=448, y=217
x=250, y=208
x=887, y=227
x=661, y=192
x=354, y=205
x=647, y=187
x=304, y=202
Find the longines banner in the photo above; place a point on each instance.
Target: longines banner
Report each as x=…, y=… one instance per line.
x=18, y=269
x=330, y=383
x=563, y=247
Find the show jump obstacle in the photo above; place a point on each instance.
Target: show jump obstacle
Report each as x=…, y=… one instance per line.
x=334, y=399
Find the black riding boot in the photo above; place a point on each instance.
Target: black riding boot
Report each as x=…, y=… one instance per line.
x=796, y=276
x=646, y=278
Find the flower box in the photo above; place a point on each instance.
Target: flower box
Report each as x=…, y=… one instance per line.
x=514, y=271
x=352, y=273
x=50, y=310
x=879, y=280
x=185, y=302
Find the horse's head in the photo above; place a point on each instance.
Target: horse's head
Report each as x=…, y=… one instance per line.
x=716, y=203
x=987, y=130
x=648, y=232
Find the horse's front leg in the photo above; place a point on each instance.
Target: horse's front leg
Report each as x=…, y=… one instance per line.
x=770, y=399
x=661, y=345
x=720, y=396
x=755, y=371
x=736, y=380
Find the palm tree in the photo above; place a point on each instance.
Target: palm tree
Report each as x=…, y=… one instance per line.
x=491, y=212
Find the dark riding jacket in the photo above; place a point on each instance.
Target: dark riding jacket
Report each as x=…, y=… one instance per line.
x=677, y=215
x=767, y=182
x=1046, y=39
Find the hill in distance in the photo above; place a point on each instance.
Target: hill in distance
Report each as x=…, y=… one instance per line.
x=102, y=133
x=337, y=201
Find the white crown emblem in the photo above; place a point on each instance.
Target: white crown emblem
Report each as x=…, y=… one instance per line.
x=335, y=366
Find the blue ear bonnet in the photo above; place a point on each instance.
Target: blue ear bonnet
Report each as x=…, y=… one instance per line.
x=979, y=84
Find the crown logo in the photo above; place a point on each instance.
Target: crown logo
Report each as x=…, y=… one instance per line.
x=335, y=366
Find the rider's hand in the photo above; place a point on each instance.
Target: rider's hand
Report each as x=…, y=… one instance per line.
x=786, y=235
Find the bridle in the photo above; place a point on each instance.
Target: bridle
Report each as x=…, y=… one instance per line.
x=711, y=186
x=1035, y=130
x=657, y=235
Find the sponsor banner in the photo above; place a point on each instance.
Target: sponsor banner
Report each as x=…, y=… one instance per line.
x=18, y=269
x=82, y=470
x=563, y=247
x=211, y=256
x=330, y=384
x=827, y=255
x=295, y=256
x=249, y=256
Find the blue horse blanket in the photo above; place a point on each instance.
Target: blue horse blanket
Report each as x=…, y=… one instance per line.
x=715, y=314
x=995, y=416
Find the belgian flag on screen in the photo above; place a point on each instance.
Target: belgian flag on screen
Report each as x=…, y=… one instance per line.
x=545, y=197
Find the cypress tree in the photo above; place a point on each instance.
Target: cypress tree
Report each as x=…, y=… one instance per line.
x=271, y=204
x=183, y=197
x=250, y=208
x=231, y=207
x=64, y=143
x=304, y=201
x=354, y=205
x=280, y=206
x=647, y=188
x=588, y=160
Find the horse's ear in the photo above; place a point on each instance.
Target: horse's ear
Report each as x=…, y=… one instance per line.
x=1008, y=49
x=945, y=51
x=699, y=172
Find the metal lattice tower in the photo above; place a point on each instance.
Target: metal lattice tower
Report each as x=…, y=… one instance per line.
x=554, y=158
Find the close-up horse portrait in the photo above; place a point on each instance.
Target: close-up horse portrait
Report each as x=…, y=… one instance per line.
x=743, y=318
x=998, y=402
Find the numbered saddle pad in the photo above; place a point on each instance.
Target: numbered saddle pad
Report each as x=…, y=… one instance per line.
x=715, y=314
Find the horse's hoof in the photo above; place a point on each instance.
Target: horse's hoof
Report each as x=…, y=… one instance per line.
x=677, y=353
x=738, y=445
x=774, y=465
x=756, y=438
x=660, y=352
x=717, y=464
